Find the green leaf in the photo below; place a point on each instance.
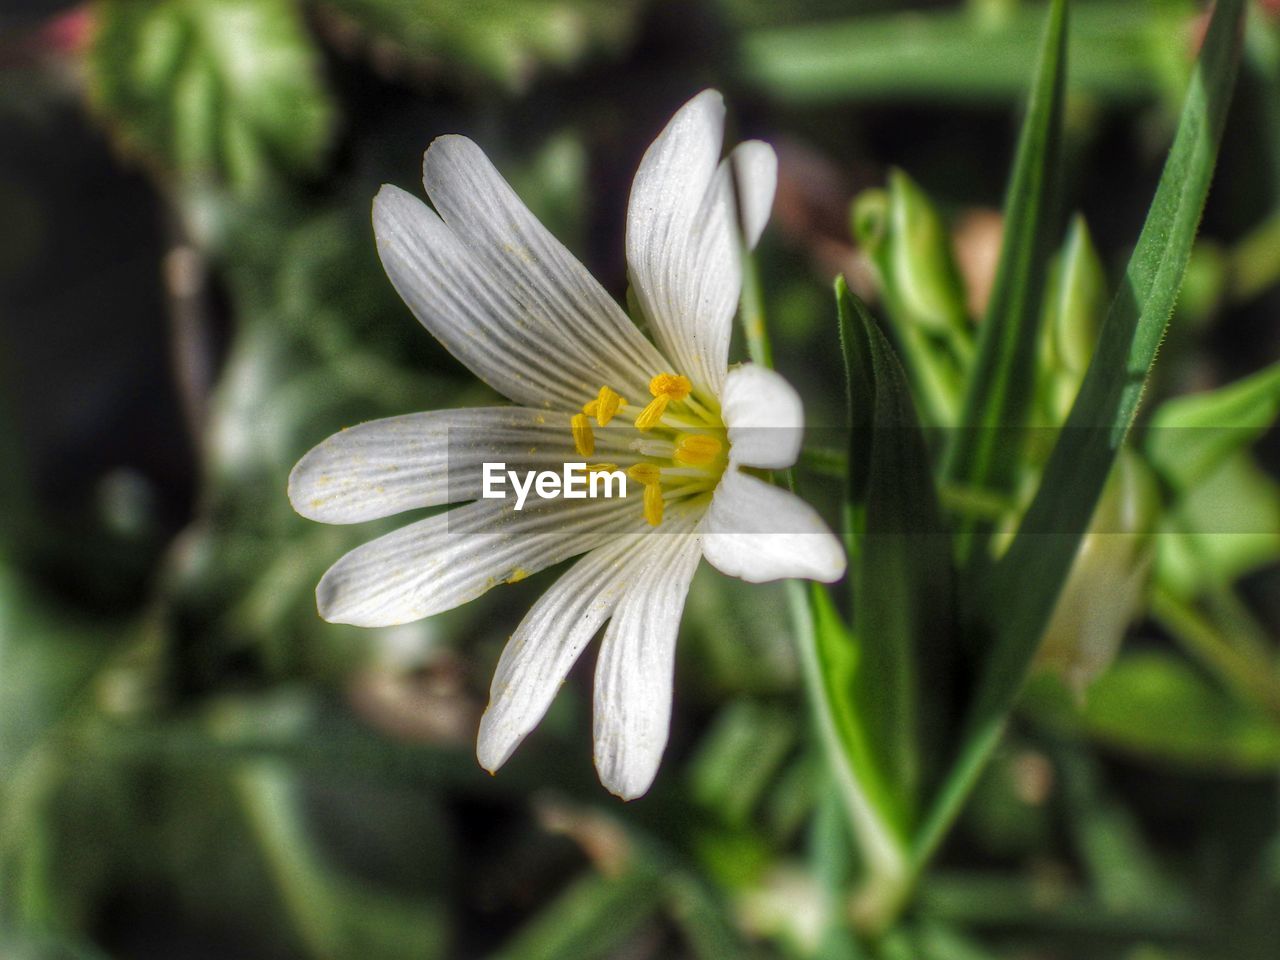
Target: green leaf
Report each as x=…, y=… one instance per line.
x=871, y=711
x=504, y=40
x=1227, y=526
x=829, y=657
x=855, y=346
x=1024, y=586
x=1191, y=437
x=983, y=454
x=901, y=575
x=212, y=89
x=1158, y=706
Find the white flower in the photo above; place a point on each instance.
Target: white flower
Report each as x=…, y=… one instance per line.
x=509, y=301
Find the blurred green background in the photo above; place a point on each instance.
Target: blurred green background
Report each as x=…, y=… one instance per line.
x=194, y=765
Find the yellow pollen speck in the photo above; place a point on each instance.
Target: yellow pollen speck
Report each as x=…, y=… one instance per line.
x=653, y=504
x=583, y=439
x=601, y=467
x=518, y=574
x=644, y=473
x=697, y=450
x=652, y=414
x=673, y=386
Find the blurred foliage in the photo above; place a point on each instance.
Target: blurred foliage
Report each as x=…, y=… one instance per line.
x=505, y=41
x=192, y=764
x=212, y=88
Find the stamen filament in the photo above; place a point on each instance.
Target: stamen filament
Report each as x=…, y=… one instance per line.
x=646, y=447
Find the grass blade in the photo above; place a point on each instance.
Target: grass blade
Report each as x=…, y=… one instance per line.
x=984, y=452
x=902, y=584
x=901, y=575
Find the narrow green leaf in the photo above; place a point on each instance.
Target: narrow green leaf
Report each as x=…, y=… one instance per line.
x=854, y=321
x=902, y=583
x=1190, y=437
x=837, y=656
x=1024, y=586
x=900, y=570
x=829, y=657
x=984, y=452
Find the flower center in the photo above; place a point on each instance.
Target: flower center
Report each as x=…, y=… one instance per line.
x=674, y=446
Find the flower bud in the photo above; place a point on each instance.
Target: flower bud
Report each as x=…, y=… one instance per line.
x=909, y=244
x=1075, y=303
x=1106, y=587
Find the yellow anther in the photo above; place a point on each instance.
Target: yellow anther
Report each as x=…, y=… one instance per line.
x=607, y=403
x=670, y=385
x=644, y=473
x=590, y=407
x=584, y=440
x=697, y=449
x=653, y=504
x=601, y=467
x=652, y=414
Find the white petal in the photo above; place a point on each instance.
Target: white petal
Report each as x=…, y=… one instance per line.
x=755, y=177
x=636, y=665
x=548, y=642
x=446, y=560
x=384, y=467
x=555, y=290
x=764, y=417
x=682, y=247
x=469, y=311
x=759, y=532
